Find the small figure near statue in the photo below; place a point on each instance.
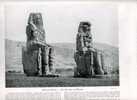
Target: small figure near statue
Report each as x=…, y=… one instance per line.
x=89, y=61
x=37, y=56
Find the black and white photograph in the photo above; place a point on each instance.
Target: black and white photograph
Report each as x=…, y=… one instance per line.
x=62, y=44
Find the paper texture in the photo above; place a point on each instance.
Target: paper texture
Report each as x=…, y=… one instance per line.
x=65, y=77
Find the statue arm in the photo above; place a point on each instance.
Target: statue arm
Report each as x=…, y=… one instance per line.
x=28, y=33
x=82, y=41
x=91, y=43
x=82, y=44
x=91, y=40
x=31, y=30
x=33, y=26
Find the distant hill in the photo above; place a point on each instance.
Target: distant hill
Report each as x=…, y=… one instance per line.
x=64, y=53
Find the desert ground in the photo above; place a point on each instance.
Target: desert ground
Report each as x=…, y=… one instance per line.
x=21, y=80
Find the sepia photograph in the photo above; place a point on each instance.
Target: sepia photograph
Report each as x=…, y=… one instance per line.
x=62, y=44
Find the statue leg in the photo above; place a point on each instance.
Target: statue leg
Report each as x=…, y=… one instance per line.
x=76, y=58
x=51, y=59
x=92, y=73
x=97, y=64
x=89, y=64
x=45, y=58
x=39, y=62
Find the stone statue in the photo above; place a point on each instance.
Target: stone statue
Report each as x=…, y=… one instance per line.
x=38, y=54
x=86, y=57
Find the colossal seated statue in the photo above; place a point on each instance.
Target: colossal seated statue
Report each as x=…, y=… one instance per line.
x=88, y=60
x=37, y=56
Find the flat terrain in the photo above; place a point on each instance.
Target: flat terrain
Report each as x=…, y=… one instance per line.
x=21, y=80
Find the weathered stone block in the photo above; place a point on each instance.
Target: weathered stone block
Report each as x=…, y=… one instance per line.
x=30, y=62
x=85, y=68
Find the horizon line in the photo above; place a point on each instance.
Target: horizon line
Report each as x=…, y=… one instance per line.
x=64, y=42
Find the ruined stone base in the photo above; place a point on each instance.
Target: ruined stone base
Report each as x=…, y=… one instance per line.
x=84, y=66
x=30, y=62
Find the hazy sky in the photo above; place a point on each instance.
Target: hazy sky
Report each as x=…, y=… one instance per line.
x=61, y=21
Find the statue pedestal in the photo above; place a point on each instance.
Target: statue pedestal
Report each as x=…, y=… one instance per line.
x=85, y=66
x=30, y=62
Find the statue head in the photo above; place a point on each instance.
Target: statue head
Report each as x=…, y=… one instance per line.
x=35, y=18
x=84, y=27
